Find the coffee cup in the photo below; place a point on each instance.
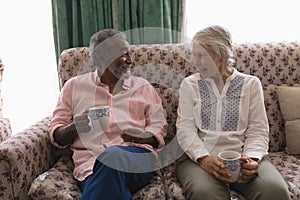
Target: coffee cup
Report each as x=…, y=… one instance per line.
x=99, y=117
x=232, y=162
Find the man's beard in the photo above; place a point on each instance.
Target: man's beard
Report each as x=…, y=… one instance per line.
x=119, y=72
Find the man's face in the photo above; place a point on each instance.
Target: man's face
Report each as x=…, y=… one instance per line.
x=116, y=57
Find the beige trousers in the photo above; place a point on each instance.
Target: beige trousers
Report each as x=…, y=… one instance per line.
x=200, y=185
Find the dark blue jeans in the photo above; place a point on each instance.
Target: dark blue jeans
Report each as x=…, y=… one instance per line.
x=119, y=172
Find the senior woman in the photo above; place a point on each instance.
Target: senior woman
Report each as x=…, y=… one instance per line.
x=223, y=109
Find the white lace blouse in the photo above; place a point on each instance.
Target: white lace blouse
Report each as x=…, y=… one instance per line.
x=209, y=122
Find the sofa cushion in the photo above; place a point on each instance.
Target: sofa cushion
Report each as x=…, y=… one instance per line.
x=58, y=183
x=289, y=168
x=289, y=98
x=276, y=123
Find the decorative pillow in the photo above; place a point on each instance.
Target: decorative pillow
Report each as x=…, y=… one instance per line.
x=289, y=98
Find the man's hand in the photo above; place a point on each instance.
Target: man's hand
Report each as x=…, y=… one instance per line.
x=249, y=169
x=214, y=166
x=82, y=123
x=65, y=135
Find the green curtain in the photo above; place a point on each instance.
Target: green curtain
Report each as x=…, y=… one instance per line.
x=74, y=21
x=143, y=21
x=152, y=21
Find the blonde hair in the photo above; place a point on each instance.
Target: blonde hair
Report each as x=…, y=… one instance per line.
x=217, y=39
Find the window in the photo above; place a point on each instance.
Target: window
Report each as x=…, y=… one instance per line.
x=30, y=83
x=248, y=21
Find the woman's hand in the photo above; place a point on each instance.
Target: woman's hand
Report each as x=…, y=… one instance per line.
x=214, y=166
x=249, y=169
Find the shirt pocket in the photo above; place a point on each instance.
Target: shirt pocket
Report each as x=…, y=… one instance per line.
x=138, y=111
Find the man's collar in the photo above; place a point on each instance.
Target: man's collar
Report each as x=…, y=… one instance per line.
x=126, y=83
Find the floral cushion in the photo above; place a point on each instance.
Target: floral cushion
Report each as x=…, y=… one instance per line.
x=276, y=123
x=289, y=167
x=154, y=190
x=58, y=183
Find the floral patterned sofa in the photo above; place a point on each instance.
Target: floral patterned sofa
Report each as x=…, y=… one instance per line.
x=30, y=168
x=5, y=127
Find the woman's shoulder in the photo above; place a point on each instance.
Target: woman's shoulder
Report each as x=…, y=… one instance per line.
x=192, y=78
x=190, y=81
x=247, y=76
x=250, y=80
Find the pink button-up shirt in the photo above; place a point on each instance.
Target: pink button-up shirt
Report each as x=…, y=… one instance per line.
x=137, y=106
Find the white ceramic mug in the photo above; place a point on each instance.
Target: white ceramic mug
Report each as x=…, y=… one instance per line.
x=232, y=162
x=99, y=117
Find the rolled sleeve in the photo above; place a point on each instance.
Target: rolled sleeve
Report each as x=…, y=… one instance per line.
x=62, y=115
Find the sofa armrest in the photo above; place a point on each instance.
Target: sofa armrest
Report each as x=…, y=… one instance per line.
x=23, y=157
x=5, y=129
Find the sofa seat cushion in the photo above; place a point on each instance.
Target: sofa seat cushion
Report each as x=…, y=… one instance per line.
x=58, y=183
x=174, y=188
x=289, y=167
x=154, y=190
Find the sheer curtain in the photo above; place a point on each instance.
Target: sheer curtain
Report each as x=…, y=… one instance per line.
x=30, y=83
x=248, y=21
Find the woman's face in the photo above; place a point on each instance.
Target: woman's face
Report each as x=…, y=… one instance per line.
x=205, y=61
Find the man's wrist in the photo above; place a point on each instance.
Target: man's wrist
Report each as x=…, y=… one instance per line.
x=65, y=135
